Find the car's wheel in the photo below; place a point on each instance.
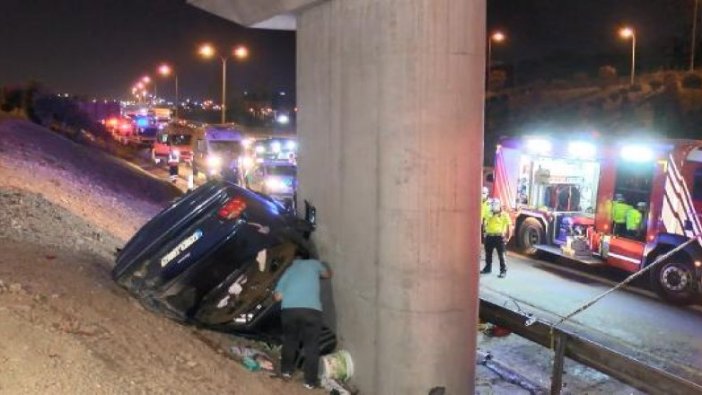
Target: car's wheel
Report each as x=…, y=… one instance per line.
x=674, y=280
x=529, y=234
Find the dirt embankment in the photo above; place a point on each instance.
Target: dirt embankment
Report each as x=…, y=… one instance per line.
x=65, y=327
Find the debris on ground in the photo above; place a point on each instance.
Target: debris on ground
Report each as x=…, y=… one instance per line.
x=252, y=358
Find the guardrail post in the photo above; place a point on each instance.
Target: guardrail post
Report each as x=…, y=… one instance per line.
x=558, y=361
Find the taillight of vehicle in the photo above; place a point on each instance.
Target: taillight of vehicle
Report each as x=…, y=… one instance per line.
x=232, y=209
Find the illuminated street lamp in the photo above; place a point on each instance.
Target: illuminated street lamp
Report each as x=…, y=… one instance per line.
x=166, y=70
x=630, y=33
x=496, y=37
x=208, y=51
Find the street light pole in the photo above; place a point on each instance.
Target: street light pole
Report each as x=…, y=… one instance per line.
x=694, y=36
x=628, y=32
x=633, y=58
x=497, y=37
x=224, y=90
x=177, y=99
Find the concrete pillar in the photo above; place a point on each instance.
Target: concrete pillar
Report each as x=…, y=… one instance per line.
x=390, y=94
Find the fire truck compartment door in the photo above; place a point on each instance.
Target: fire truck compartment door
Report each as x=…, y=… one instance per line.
x=625, y=253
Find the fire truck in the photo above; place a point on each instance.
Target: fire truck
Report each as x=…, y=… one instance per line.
x=561, y=195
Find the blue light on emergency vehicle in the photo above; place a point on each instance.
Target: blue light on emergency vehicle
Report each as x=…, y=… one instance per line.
x=142, y=122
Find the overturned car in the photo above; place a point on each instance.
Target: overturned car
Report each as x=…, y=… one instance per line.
x=213, y=258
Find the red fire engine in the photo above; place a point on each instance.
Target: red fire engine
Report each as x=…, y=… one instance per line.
x=560, y=194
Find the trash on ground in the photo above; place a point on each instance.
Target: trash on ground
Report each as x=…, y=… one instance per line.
x=250, y=356
x=337, y=366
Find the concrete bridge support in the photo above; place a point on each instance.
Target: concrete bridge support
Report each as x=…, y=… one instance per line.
x=390, y=124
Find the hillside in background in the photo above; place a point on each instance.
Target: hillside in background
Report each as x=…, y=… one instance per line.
x=664, y=104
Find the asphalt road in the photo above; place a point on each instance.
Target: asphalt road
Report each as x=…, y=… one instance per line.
x=633, y=321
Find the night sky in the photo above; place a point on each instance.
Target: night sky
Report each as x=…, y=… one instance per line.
x=100, y=47
x=542, y=28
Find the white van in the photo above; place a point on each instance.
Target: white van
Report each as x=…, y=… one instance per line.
x=218, y=150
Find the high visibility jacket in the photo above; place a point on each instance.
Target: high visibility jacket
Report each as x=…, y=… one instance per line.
x=484, y=210
x=633, y=219
x=619, y=210
x=497, y=224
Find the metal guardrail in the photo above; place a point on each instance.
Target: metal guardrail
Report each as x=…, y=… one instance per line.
x=566, y=344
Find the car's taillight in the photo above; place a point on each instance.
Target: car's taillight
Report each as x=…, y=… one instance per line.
x=232, y=209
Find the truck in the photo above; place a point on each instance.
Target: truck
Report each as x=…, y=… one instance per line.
x=274, y=178
x=218, y=152
x=146, y=129
x=177, y=137
x=561, y=193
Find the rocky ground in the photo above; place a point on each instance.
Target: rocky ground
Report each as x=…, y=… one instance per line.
x=65, y=327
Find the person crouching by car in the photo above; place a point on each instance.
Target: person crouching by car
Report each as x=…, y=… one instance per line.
x=173, y=162
x=497, y=226
x=301, y=314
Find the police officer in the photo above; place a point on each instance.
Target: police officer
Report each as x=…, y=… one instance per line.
x=173, y=162
x=497, y=227
x=619, y=211
x=633, y=220
x=484, y=212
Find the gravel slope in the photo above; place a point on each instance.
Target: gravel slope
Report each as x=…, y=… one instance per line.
x=65, y=327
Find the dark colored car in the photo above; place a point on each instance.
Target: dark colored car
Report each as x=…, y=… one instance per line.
x=213, y=258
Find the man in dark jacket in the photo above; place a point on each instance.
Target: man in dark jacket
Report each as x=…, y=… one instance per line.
x=301, y=315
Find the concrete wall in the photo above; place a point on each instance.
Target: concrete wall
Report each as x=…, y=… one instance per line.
x=391, y=132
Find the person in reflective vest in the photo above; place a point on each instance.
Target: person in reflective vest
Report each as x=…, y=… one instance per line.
x=173, y=162
x=497, y=227
x=484, y=212
x=633, y=220
x=619, y=211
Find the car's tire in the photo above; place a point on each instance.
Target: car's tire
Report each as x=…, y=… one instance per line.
x=674, y=280
x=530, y=233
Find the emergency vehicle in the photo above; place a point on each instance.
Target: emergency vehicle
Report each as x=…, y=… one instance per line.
x=275, y=149
x=174, y=137
x=218, y=152
x=275, y=178
x=560, y=195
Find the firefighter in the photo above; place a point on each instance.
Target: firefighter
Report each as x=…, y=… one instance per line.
x=633, y=220
x=497, y=227
x=484, y=212
x=173, y=162
x=619, y=210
